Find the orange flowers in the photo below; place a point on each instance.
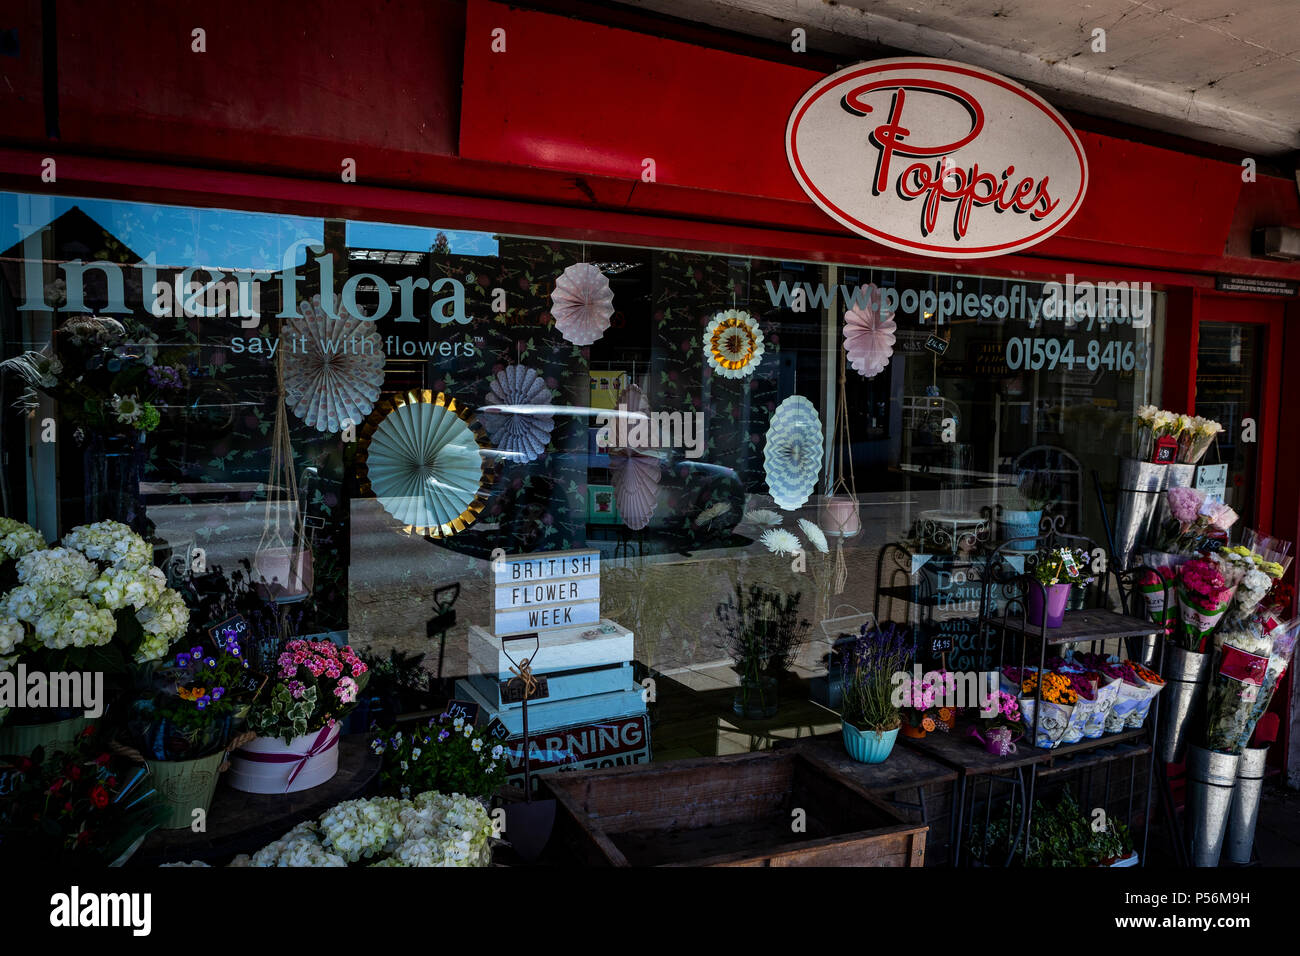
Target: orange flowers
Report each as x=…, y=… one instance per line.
x=1056, y=689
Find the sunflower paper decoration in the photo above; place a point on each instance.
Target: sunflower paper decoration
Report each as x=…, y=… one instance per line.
x=420, y=456
x=814, y=535
x=333, y=367
x=780, y=541
x=733, y=344
x=792, y=456
x=869, y=333
x=515, y=414
x=582, y=303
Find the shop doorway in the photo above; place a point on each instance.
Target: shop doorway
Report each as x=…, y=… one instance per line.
x=1238, y=368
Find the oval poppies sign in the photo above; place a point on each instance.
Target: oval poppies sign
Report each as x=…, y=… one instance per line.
x=936, y=158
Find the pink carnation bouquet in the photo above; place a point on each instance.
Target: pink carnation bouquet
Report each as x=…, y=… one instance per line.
x=1203, y=597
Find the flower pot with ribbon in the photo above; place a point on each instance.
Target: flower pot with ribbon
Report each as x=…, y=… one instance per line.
x=999, y=741
x=269, y=765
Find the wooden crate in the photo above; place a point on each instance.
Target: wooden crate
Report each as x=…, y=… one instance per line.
x=728, y=811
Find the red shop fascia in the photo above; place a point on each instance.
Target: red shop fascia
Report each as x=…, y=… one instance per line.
x=475, y=114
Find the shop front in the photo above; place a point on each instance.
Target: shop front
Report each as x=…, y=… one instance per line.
x=633, y=417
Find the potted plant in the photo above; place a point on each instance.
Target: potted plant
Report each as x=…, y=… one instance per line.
x=1056, y=571
x=999, y=732
x=192, y=706
x=762, y=631
x=93, y=603
x=296, y=721
x=447, y=755
x=869, y=721
x=1022, y=508
x=917, y=708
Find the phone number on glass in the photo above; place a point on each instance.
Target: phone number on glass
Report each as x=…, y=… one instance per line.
x=1035, y=354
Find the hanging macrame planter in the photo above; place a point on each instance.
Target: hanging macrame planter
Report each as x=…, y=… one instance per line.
x=840, y=515
x=282, y=563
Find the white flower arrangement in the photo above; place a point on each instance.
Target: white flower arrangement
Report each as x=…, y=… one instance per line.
x=763, y=517
x=780, y=541
x=815, y=535
x=18, y=539
x=433, y=829
x=67, y=595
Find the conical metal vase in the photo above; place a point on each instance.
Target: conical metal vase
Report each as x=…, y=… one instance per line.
x=1137, y=501
x=1245, y=804
x=1211, y=778
x=1187, y=676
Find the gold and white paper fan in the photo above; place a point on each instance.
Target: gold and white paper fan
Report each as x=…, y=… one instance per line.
x=420, y=457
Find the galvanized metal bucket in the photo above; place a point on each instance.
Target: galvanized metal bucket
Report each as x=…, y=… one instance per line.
x=1211, y=778
x=1137, y=501
x=1188, y=676
x=1245, y=804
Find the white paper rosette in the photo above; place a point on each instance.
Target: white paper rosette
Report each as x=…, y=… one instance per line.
x=792, y=454
x=733, y=344
x=333, y=367
x=582, y=303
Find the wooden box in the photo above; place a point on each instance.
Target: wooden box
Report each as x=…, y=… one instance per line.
x=728, y=811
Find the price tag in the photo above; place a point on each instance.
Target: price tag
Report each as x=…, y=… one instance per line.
x=467, y=709
x=1165, y=451
x=235, y=628
x=497, y=730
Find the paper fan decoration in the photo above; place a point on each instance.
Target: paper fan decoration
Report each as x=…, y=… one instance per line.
x=792, y=455
x=733, y=344
x=780, y=541
x=763, y=517
x=512, y=416
x=333, y=367
x=635, y=474
x=869, y=334
x=420, y=458
x=582, y=303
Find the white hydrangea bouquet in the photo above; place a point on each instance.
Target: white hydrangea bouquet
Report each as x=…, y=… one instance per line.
x=93, y=602
x=434, y=829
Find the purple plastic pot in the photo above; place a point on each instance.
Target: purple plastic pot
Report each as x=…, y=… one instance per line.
x=1053, y=602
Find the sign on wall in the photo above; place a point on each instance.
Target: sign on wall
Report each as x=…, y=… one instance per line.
x=936, y=158
x=545, y=591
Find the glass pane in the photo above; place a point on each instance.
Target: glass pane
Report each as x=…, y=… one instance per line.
x=1229, y=377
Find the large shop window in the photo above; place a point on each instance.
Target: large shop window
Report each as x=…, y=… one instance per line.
x=281, y=406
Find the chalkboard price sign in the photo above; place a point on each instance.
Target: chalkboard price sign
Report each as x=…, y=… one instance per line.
x=467, y=709
x=235, y=628
x=497, y=730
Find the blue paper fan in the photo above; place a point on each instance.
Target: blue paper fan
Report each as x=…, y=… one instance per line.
x=792, y=455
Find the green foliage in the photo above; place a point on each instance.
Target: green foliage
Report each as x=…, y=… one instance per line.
x=446, y=755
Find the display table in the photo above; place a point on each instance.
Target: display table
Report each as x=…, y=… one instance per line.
x=241, y=822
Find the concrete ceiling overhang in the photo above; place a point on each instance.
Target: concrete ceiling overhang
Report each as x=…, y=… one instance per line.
x=1221, y=71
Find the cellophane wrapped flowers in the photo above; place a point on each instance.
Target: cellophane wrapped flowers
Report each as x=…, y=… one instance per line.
x=1203, y=597
x=1253, y=656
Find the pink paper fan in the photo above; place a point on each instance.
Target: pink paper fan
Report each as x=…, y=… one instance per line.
x=635, y=475
x=636, y=486
x=869, y=333
x=582, y=303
